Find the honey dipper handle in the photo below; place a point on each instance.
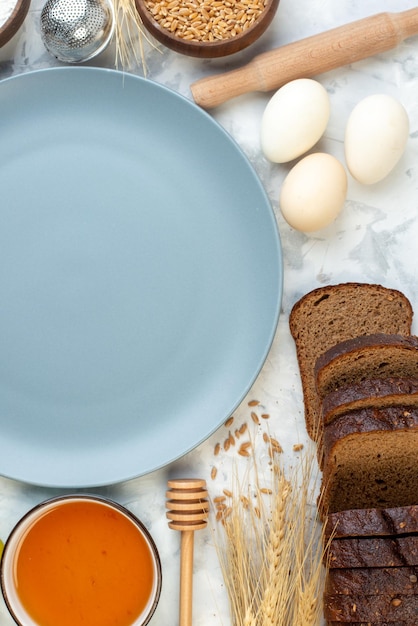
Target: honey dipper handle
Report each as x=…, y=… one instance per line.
x=186, y=578
x=309, y=57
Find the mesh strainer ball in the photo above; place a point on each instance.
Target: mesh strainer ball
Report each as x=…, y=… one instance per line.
x=77, y=30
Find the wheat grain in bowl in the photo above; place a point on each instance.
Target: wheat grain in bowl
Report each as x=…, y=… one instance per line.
x=207, y=29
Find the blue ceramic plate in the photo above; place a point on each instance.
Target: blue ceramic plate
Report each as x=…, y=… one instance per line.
x=140, y=276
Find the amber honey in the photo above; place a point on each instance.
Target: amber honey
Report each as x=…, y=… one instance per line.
x=85, y=563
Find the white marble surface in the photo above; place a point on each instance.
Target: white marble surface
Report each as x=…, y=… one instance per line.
x=373, y=240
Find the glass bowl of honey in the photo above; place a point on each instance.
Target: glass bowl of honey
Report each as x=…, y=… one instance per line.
x=80, y=559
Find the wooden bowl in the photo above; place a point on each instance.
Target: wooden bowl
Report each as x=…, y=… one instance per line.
x=9, y=29
x=206, y=30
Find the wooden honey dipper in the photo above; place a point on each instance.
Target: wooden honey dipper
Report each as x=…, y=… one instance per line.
x=187, y=511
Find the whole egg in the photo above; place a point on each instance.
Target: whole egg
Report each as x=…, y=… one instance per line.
x=375, y=137
x=294, y=120
x=313, y=192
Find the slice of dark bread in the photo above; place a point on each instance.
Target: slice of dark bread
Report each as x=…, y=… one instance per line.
x=380, y=392
x=372, y=522
x=397, y=623
x=371, y=470
x=372, y=581
x=371, y=356
x=368, y=420
x=353, y=552
x=383, y=608
x=328, y=315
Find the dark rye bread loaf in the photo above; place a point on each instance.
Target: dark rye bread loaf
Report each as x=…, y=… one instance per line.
x=371, y=356
x=380, y=392
x=328, y=315
x=375, y=609
x=363, y=552
x=401, y=520
x=372, y=581
x=371, y=470
x=368, y=420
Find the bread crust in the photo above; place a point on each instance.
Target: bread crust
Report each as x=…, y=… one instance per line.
x=327, y=315
x=372, y=356
x=353, y=552
x=397, y=623
x=372, y=522
x=374, y=623
x=379, y=609
x=378, y=392
x=368, y=420
x=372, y=581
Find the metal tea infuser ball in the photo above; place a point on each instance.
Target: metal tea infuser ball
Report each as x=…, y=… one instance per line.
x=75, y=31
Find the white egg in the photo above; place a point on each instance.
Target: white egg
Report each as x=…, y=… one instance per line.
x=313, y=193
x=375, y=137
x=294, y=120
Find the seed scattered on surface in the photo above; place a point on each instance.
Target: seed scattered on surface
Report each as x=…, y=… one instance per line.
x=298, y=447
x=253, y=403
x=213, y=473
x=265, y=490
x=243, y=428
x=227, y=444
x=265, y=416
x=244, y=448
x=272, y=441
x=229, y=421
x=219, y=499
x=396, y=602
x=274, y=445
x=255, y=417
x=217, y=449
x=227, y=493
x=245, y=502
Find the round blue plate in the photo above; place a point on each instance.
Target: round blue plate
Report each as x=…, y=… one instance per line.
x=140, y=276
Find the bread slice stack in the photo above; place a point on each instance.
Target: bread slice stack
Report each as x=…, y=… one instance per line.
x=369, y=392
x=360, y=393
x=329, y=315
x=373, y=567
x=359, y=370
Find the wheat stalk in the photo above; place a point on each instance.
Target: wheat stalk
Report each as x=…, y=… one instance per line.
x=240, y=555
x=276, y=592
x=271, y=550
x=129, y=36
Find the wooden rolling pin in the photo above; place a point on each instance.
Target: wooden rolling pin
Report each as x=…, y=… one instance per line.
x=187, y=511
x=309, y=57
